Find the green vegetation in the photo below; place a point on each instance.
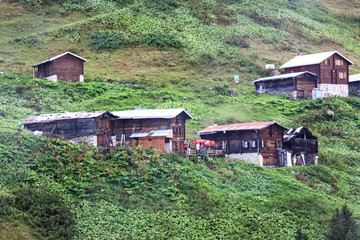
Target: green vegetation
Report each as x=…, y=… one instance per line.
x=169, y=54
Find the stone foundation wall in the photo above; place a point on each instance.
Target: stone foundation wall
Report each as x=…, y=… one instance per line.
x=91, y=140
x=248, y=157
x=341, y=90
x=290, y=94
x=52, y=78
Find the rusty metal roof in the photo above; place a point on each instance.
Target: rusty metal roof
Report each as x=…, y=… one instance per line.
x=58, y=56
x=151, y=113
x=154, y=133
x=237, y=127
x=45, y=118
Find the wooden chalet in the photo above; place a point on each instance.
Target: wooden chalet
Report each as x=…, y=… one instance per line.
x=256, y=142
x=144, y=125
x=91, y=127
x=293, y=85
x=354, y=82
x=300, y=148
x=68, y=67
x=331, y=67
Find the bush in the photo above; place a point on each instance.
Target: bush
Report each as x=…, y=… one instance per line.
x=106, y=40
x=161, y=40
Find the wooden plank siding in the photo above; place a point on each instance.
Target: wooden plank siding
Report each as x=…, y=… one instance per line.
x=305, y=84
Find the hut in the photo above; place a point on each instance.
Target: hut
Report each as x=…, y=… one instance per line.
x=331, y=67
x=158, y=139
x=91, y=127
x=300, y=148
x=256, y=142
x=68, y=67
x=293, y=85
x=140, y=124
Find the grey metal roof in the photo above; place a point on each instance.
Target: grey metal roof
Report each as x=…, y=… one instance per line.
x=58, y=56
x=152, y=113
x=154, y=133
x=284, y=76
x=354, y=77
x=44, y=118
x=310, y=59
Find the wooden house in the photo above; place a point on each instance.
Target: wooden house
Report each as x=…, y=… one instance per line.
x=135, y=123
x=331, y=67
x=91, y=127
x=68, y=67
x=256, y=142
x=354, y=82
x=300, y=148
x=293, y=85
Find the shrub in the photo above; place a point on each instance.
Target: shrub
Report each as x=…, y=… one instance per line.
x=161, y=40
x=106, y=40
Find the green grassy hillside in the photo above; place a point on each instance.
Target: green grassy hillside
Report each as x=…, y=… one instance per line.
x=167, y=54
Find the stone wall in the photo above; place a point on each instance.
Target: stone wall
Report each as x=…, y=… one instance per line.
x=248, y=157
x=291, y=94
x=341, y=90
x=52, y=78
x=91, y=140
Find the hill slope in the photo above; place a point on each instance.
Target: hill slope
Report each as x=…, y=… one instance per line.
x=165, y=54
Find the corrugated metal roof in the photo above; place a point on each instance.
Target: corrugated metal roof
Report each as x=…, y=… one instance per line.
x=283, y=76
x=237, y=127
x=43, y=118
x=310, y=59
x=354, y=77
x=152, y=113
x=53, y=58
x=154, y=133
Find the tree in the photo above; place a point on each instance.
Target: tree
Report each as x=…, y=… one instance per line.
x=343, y=226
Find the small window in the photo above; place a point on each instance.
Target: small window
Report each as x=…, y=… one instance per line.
x=278, y=144
x=339, y=62
x=149, y=139
x=245, y=144
x=263, y=144
x=327, y=62
x=253, y=144
x=342, y=75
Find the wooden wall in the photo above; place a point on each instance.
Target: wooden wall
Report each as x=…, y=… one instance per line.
x=155, y=142
x=305, y=84
x=271, y=139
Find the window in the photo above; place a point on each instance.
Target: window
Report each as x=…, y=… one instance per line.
x=278, y=144
x=253, y=145
x=342, y=75
x=327, y=62
x=263, y=144
x=245, y=144
x=339, y=62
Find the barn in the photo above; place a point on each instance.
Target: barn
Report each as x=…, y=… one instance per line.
x=90, y=127
x=68, y=67
x=297, y=85
x=256, y=142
